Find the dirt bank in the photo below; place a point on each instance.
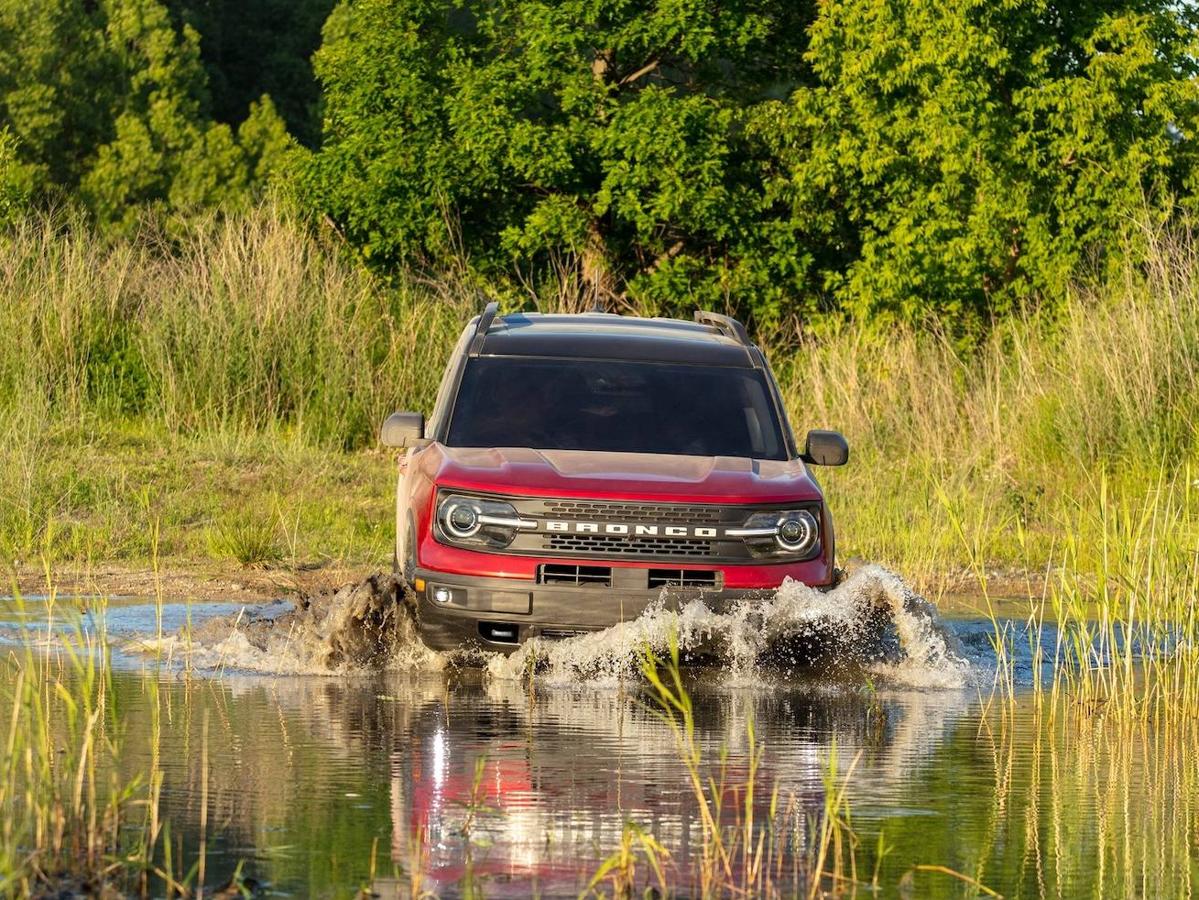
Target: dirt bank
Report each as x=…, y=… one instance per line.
x=180, y=581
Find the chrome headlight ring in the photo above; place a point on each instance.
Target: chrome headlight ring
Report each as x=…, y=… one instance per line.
x=460, y=518
x=468, y=521
x=791, y=533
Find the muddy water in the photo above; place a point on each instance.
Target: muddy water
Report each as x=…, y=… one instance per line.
x=479, y=780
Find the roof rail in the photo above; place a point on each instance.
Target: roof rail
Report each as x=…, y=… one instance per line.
x=482, y=326
x=726, y=324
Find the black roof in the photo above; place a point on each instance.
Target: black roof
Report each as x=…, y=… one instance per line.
x=610, y=336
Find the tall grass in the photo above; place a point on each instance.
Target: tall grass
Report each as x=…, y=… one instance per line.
x=996, y=455
x=755, y=839
x=65, y=813
x=228, y=323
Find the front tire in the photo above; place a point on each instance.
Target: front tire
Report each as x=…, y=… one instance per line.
x=408, y=569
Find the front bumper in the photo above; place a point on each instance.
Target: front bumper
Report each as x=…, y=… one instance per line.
x=499, y=614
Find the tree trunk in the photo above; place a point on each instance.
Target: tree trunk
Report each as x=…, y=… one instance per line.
x=598, y=280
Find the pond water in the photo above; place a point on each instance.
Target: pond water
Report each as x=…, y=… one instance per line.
x=482, y=782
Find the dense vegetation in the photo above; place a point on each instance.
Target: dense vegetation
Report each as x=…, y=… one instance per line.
x=781, y=159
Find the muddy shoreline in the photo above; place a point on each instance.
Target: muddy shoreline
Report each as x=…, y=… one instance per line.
x=181, y=581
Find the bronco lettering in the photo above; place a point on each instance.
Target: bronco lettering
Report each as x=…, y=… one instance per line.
x=619, y=528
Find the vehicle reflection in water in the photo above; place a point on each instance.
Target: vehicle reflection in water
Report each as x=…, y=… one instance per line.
x=309, y=776
x=561, y=771
x=319, y=786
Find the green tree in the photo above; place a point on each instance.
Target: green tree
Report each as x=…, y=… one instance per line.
x=255, y=47
x=601, y=138
x=18, y=180
x=108, y=102
x=965, y=158
x=165, y=150
x=889, y=159
x=54, y=81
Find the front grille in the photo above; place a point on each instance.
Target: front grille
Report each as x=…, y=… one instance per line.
x=631, y=512
x=618, y=545
x=557, y=573
x=659, y=578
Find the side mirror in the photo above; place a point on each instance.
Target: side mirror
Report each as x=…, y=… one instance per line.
x=825, y=448
x=402, y=429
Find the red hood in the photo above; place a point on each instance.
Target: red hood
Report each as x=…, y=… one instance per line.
x=620, y=476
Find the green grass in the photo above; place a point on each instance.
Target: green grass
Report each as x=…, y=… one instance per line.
x=995, y=457
x=65, y=812
x=224, y=325
x=250, y=539
x=81, y=494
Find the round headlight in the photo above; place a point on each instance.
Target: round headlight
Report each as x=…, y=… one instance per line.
x=797, y=531
x=460, y=518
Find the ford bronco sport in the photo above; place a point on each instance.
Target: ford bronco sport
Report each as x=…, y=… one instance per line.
x=577, y=468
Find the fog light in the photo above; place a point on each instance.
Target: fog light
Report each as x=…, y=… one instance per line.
x=442, y=595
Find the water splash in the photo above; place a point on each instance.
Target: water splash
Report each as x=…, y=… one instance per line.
x=360, y=628
x=872, y=623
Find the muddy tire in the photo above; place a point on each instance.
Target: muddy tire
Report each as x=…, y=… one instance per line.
x=408, y=568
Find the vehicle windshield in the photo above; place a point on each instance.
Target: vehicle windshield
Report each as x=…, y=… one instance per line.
x=628, y=407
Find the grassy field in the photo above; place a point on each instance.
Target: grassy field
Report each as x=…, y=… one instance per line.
x=213, y=390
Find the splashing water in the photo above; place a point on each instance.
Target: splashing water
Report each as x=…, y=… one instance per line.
x=359, y=628
x=873, y=622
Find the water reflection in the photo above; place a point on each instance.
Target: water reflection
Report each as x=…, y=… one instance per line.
x=561, y=771
x=448, y=780
x=308, y=773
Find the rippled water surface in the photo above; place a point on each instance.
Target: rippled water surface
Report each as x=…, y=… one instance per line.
x=480, y=780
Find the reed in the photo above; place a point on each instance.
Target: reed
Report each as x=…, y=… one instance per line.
x=65, y=813
x=1012, y=437
x=222, y=325
x=746, y=847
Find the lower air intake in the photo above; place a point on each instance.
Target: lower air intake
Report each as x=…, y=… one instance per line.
x=659, y=578
x=577, y=576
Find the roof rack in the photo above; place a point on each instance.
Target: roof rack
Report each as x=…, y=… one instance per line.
x=481, y=328
x=725, y=324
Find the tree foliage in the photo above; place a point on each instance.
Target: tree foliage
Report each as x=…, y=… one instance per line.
x=966, y=157
x=254, y=47
x=17, y=180
x=885, y=158
x=607, y=138
x=108, y=102
x=777, y=158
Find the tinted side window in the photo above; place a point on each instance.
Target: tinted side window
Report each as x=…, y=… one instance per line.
x=441, y=405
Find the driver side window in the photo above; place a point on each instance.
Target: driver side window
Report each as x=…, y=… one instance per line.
x=441, y=405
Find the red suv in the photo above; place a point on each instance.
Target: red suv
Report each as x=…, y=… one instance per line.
x=578, y=468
